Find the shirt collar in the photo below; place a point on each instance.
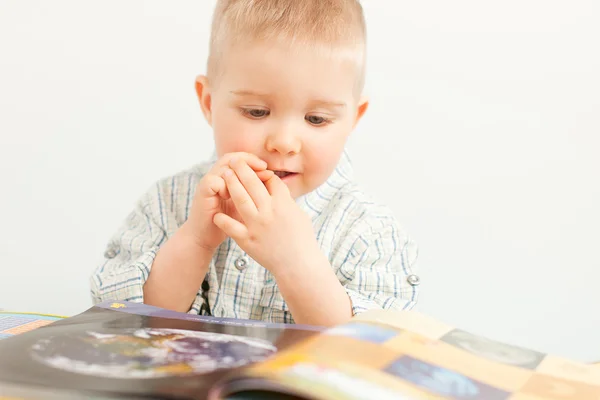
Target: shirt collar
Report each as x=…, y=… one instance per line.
x=314, y=202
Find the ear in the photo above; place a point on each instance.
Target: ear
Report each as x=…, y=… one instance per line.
x=363, y=105
x=204, y=97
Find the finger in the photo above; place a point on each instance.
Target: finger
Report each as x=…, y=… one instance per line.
x=253, y=185
x=240, y=197
x=232, y=228
x=265, y=175
x=225, y=192
x=223, y=164
x=215, y=185
x=253, y=161
x=276, y=187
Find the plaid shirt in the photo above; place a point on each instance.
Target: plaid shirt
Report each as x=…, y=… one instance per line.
x=372, y=257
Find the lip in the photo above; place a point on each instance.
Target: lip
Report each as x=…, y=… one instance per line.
x=280, y=169
x=289, y=171
x=290, y=175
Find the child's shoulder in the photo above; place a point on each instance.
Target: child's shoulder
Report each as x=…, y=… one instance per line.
x=355, y=228
x=351, y=214
x=351, y=201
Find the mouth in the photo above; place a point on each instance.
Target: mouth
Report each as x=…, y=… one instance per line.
x=284, y=174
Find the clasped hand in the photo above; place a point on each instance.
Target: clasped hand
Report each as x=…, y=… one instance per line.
x=267, y=223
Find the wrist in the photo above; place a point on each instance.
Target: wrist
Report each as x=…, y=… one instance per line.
x=190, y=235
x=312, y=264
x=313, y=292
x=177, y=272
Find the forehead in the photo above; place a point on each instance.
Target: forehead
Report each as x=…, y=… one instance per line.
x=299, y=72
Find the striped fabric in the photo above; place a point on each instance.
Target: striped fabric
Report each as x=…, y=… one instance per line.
x=372, y=257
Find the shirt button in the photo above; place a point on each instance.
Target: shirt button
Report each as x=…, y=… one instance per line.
x=111, y=252
x=241, y=263
x=414, y=280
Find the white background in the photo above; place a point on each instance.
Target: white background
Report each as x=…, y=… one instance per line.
x=483, y=136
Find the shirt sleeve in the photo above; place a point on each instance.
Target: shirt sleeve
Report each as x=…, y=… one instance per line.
x=380, y=270
x=128, y=258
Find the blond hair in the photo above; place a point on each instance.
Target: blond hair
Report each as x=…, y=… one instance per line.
x=332, y=26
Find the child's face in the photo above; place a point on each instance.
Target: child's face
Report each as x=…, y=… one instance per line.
x=294, y=110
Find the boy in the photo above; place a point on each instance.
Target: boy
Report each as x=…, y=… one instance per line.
x=273, y=228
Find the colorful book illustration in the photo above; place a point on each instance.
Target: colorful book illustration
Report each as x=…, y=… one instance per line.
x=130, y=350
x=15, y=323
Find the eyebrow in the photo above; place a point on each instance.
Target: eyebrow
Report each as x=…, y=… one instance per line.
x=327, y=103
x=248, y=93
x=317, y=102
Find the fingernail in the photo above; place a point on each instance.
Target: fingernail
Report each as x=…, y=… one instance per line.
x=228, y=172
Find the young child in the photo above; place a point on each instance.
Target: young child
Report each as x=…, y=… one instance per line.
x=273, y=227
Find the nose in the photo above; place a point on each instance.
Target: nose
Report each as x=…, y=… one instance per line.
x=284, y=139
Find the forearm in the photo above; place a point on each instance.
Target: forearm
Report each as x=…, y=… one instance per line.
x=313, y=292
x=177, y=273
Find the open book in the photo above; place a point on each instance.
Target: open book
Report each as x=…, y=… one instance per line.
x=135, y=351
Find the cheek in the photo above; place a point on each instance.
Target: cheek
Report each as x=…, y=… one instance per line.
x=323, y=155
x=323, y=161
x=234, y=133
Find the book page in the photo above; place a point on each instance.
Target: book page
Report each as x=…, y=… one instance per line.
x=400, y=355
x=124, y=349
x=15, y=323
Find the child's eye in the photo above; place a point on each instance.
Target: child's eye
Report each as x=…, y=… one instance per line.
x=316, y=120
x=255, y=113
